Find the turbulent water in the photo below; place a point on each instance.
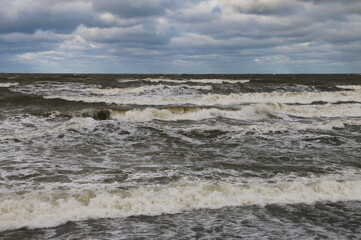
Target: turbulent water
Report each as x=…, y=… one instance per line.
x=180, y=156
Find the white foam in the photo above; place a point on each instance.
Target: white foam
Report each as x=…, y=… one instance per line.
x=50, y=88
x=214, y=81
x=329, y=125
x=176, y=114
x=327, y=110
x=249, y=112
x=117, y=91
x=48, y=209
x=71, y=124
x=6, y=85
x=231, y=99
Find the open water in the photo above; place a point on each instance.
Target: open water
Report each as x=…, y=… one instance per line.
x=180, y=156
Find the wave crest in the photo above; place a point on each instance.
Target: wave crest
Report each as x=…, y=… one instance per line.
x=48, y=209
x=249, y=112
x=231, y=99
x=6, y=85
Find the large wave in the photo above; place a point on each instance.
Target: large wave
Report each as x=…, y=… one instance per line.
x=48, y=209
x=231, y=99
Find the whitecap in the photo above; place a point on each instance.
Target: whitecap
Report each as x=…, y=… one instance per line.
x=219, y=99
x=213, y=81
x=117, y=91
x=248, y=112
x=49, y=209
x=6, y=85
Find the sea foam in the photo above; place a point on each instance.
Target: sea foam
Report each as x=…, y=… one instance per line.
x=214, y=81
x=73, y=123
x=247, y=112
x=117, y=91
x=48, y=209
x=6, y=85
x=328, y=125
x=231, y=99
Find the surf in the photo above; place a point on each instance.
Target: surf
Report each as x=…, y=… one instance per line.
x=213, y=81
x=6, y=85
x=220, y=99
x=49, y=209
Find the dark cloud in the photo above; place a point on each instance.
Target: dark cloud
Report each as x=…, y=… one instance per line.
x=29, y=16
x=330, y=1
x=180, y=36
x=131, y=9
x=279, y=7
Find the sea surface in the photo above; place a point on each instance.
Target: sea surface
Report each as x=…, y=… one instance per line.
x=180, y=156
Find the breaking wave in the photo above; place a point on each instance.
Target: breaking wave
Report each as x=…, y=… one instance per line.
x=329, y=125
x=327, y=110
x=6, y=85
x=232, y=99
x=353, y=87
x=249, y=112
x=116, y=91
x=175, y=114
x=49, y=209
x=214, y=81
x=86, y=118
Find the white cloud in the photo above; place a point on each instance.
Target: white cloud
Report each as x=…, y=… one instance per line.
x=111, y=19
x=163, y=26
x=77, y=43
x=201, y=12
x=193, y=39
x=45, y=57
x=110, y=33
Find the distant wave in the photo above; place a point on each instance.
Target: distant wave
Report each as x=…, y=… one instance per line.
x=115, y=91
x=249, y=112
x=296, y=126
x=214, y=81
x=52, y=208
x=231, y=99
x=353, y=87
x=6, y=85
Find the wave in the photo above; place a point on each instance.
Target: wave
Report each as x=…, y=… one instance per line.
x=6, y=85
x=49, y=88
x=327, y=110
x=219, y=99
x=86, y=118
x=352, y=87
x=73, y=123
x=184, y=113
x=49, y=209
x=116, y=91
x=250, y=112
x=214, y=81
x=329, y=125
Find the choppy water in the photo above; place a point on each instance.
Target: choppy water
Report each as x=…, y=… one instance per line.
x=180, y=156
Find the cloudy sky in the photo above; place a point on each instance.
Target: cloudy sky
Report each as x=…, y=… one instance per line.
x=180, y=36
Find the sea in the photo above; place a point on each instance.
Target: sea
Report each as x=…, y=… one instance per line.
x=101, y=156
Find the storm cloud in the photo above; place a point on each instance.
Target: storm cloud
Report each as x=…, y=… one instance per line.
x=190, y=36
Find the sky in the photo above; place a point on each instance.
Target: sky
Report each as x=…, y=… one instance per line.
x=180, y=36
